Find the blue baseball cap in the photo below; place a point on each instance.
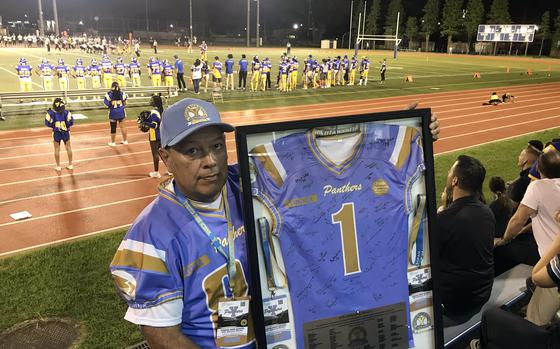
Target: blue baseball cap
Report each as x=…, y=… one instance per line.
x=186, y=117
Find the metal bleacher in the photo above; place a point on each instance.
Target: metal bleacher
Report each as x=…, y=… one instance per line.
x=20, y=103
x=509, y=288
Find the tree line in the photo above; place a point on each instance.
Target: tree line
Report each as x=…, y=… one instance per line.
x=446, y=18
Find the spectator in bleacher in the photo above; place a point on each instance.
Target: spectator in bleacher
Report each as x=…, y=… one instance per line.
x=503, y=329
x=502, y=207
x=529, y=154
x=540, y=203
x=466, y=234
x=60, y=120
x=522, y=250
x=115, y=100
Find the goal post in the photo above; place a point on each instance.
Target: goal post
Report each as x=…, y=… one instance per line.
x=361, y=37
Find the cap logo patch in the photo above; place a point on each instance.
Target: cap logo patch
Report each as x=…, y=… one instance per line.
x=195, y=114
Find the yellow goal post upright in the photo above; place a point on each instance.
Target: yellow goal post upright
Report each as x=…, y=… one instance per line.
x=361, y=36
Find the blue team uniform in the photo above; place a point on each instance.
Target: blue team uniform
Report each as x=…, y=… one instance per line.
x=116, y=108
x=243, y=64
x=179, y=261
x=229, y=65
x=60, y=124
x=153, y=123
x=329, y=272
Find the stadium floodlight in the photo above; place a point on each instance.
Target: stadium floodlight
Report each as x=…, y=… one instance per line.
x=295, y=26
x=171, y=26
x=81, y=22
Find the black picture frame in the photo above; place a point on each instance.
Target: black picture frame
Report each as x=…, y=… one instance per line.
x=422, y=117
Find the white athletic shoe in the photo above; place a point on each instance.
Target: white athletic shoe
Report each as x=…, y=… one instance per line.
x=155, y=174
x=124, y=142
x=70, y=167
x=58, y=169
x=111, y=144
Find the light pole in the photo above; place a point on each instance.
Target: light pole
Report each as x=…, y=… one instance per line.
x=248, y=22
x=55, y=11
x=147, y=20
x=41, y=23
x=258, y=21
x=190, y=18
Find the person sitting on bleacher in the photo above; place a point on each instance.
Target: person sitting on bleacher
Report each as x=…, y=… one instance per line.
x=503, y=329
x=527, y=157
x=466, y=235
x=540, y=203
x=522, y=250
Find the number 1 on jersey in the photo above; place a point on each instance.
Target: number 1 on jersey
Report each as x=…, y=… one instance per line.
x=346, y=219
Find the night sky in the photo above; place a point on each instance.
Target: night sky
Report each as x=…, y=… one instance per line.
x=229, y=16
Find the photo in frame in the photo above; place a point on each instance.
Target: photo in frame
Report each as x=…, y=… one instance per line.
x=339, y=213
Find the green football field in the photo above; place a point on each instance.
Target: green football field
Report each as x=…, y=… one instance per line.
x=72, y=280
x=431, y=73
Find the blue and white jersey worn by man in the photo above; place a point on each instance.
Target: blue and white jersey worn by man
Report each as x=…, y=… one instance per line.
x=185, y=253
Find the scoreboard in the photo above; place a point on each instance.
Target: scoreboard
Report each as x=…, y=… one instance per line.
x=506, y=32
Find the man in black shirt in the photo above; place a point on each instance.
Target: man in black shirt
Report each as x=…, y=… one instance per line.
x=466, y=241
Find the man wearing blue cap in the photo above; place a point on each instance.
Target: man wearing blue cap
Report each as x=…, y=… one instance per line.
x=183, y=262
x=184, y=258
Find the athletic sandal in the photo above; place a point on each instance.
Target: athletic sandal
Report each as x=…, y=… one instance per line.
x=155, y=174
x=124, y=142
x=111, y=144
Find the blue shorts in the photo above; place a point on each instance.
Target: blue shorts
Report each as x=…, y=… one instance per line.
x=61, y=136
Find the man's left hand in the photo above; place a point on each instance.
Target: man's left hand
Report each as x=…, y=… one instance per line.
x=434, y=123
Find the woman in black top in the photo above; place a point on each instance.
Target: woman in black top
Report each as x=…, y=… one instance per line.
x=502, y=206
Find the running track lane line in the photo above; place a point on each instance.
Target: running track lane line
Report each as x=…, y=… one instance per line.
x=125, y=225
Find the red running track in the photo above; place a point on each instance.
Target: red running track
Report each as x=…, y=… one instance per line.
x=110, y=186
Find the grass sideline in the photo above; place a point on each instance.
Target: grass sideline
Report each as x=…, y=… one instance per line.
x=432, y=73
x=72, y=279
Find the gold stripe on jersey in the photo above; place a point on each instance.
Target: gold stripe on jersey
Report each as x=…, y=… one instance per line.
x=138, y=260
x=195, y=265
x=260, y=153
x=404, y=153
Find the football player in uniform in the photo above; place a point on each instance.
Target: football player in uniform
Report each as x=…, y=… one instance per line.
x=229, y=71
x=352, y=71
x=217, y=72
x=255, y=73
x=294, y=74
x=329, y=81
x=79, y=72
x=107, y=69
x=265, y=73
x=283, y=71
x=345, y=66
x=45, y=70
x=94, y=71
x=120, y=72
x=134, y=72
x=382, y=71
x=308, y=72
x=24, y=74
x=62, y=72
x=364, y=71
x=167, y=73
x=154, y=71
x=203, y=51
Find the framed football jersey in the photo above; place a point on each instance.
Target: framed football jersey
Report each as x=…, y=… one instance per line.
x=339, y=213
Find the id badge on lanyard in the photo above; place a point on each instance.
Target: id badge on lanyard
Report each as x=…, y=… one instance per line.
x=233, y=313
